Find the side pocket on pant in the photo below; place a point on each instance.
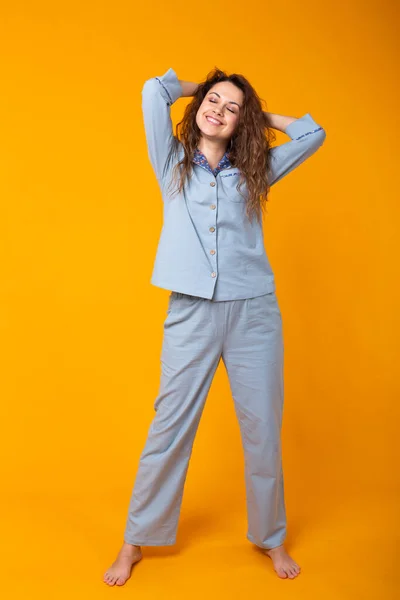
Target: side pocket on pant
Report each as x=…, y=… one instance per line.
x=265, y=309
x=171, y=299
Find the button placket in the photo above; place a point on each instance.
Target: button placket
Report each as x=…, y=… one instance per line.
x=214, y=263
x=212, y=229
x=212, y=252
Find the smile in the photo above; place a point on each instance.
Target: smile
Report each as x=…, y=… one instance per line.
x=213, y=121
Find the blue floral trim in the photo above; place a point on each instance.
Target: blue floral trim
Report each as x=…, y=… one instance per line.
x=201, y=160
x=231, y=174
x=308, y=133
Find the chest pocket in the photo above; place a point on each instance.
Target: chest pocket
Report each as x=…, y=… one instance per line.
x=229, y=181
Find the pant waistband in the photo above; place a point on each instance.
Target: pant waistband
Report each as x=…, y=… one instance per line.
x=182, y=295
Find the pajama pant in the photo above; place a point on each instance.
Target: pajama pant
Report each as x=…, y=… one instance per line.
x=198, y=332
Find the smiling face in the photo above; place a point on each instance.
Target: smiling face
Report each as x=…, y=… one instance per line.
x=218, y=114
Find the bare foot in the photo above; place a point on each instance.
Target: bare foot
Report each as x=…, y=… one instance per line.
x=284, y=565
x=120, y=570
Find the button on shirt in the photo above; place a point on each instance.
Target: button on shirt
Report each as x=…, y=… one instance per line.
x=207, y=246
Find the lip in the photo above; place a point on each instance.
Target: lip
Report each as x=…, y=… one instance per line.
x=210, y=116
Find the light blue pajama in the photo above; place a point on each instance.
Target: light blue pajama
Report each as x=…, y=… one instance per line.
x=222, y=305
x=198, y=332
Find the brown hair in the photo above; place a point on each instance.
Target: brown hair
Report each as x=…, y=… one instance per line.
x=249, y=146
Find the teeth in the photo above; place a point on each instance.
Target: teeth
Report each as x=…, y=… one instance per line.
x=213, y=121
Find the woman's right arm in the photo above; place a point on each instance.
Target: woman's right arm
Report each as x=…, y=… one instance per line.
x=189, y=87
x=158, y=94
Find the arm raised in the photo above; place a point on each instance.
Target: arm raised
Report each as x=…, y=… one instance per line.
x=158, y=95
x=306, y=137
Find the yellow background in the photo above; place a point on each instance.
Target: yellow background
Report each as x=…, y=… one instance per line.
x=81, y=325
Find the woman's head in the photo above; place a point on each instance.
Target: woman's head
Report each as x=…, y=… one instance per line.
x=218, y=115
x=244, y=132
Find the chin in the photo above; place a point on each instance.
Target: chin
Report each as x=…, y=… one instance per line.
x=207, y=132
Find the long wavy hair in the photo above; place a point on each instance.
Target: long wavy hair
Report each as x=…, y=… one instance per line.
x=248, y=148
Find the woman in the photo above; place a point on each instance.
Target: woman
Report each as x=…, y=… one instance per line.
x=214, y=176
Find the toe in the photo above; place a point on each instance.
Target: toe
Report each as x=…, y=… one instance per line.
x=291, y=575
x=282, y=573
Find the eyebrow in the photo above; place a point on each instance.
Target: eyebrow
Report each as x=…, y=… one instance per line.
x=230, y=101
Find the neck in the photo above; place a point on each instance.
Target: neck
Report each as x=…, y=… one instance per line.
x=213, y=150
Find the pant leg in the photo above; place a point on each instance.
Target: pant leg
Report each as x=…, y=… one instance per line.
x=191, y=352
x=253, y=357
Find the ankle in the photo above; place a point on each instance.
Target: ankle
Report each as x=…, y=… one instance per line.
x=132, y=545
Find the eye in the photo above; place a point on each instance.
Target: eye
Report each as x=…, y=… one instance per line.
x=215, y=102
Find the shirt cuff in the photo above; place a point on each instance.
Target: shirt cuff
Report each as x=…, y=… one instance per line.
x=301, y=126
x=172, y=89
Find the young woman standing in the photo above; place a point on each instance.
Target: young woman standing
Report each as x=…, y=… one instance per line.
x=214, y=177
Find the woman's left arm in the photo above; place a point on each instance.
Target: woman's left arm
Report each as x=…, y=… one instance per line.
x=279, y=122
x=306, y=137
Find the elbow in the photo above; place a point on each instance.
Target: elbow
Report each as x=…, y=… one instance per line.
x=149, y=87
x=319, y=137
x=154, y=90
